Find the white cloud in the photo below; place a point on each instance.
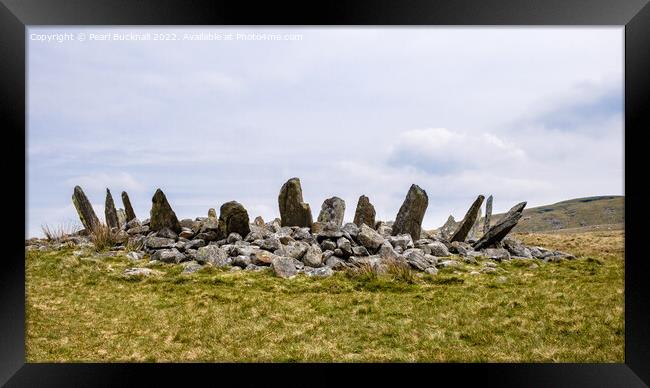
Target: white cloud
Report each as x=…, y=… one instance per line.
x=117, y=182
x=441, y=151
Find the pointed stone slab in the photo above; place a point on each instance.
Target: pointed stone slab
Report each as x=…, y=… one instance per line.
x=365, y=213
x=293, y=210
x=332, y=210
x=110, y=212
x=488, y=214
x=502, y=228
x=411, y=213
x=162, y=215
x=473, y=233
x=128, y=209
x=470, y=217
x=85, y=210
x=447, y=229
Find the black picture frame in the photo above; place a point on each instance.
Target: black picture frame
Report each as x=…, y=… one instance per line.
x=15, y=15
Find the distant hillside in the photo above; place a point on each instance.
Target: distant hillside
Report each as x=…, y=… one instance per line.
x=574, y=213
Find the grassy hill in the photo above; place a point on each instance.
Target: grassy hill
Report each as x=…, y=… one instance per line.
x=579, y=213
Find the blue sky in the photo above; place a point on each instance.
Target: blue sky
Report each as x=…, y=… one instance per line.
x=530, y=114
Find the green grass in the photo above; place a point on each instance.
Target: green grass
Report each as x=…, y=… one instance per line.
x=83, y=309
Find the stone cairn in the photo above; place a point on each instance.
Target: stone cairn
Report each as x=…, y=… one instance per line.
x=295, y=244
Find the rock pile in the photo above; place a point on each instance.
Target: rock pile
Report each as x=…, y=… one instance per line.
x=294, y=244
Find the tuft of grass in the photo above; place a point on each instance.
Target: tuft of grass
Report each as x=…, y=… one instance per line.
x=59, y=232
x=401, y=271
x=81, y=309
x=103, y=238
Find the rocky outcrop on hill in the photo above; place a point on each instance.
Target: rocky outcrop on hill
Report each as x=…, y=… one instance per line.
x=294, y=245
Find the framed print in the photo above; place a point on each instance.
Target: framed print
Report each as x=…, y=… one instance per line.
x=353, y=192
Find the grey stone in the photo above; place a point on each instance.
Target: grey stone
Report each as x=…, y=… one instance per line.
x=296, y=250
x=258, y=221
x=262, y=257
x=212, y=213
x=321, y=272
x=369, y=238
x=449, y=264
x=497, y=254
x=233, y=218
x=233, y=237
x=447, y=229
x=410, y=215
x=313, y=257
x=284, y=267
x=496, y=233
x=128, y=209
x=416, y=259
x=255, y=268
x=488, y=214
x=167, y=233
x=335, y=263
x=241, y=261
x=328, y=245
x=271, y=244
x=384, y=229
x=365, y=212
x=344, y=245
x=191, y=267
x=214, y=255
x=351, y=229
x=387, y=252
x=159, y=242
x=403, y=240
x=85, y=210
x=332, y=210
x=516, y=248
x=186, y=233
x=168, y=256
x=121, y=218
x=162, y=215
x=360, y=251
x=138, y=272
x=293, y=210
x=431, y=270
x=135, y=256
x=437, y=248
x=143, y=229
x=468, y=221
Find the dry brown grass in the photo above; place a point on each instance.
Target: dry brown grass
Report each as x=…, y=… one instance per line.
x=103, y=238
x=59, y=232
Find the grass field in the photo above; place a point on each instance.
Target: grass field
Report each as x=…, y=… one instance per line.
x=81, y=308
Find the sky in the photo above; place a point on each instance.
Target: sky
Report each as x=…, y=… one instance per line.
x=523, y=114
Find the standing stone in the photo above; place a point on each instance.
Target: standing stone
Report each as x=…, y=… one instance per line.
x=502, y=227
x=448, y=228
x=365, y=213
x=162, y=215
x=473, y=233
x=411, y=213
x=130, y=214
x=488, y=214
x=85, y=210
x=293, y=211
x=212, y=213
x=332, y=210
x=233, y=218
x=468, y=221
x=110, y=212
x=121, y=217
